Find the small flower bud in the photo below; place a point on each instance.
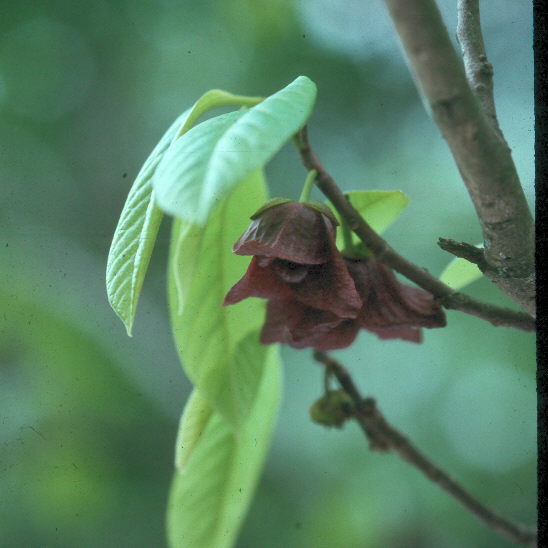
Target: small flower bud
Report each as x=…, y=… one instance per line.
x=334, y=408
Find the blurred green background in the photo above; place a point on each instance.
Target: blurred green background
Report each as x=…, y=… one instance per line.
x=89, y=416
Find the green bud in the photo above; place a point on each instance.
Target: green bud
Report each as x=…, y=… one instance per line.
x=332, y=409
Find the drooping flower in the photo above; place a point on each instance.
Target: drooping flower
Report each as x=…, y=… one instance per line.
x=295, y=259
x=390, y=309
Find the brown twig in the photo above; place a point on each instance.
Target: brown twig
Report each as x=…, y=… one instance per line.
x=479, y=71
x=384, y=437
x=387, y=255
x=463, y=250
x=482, y=156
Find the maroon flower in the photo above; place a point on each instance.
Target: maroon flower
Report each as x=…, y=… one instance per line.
x=390, y=309
x=296, y=260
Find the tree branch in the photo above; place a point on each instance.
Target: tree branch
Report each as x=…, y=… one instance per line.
x=478, y=69
x=387, y=255
x=463, y=250
x=384, y=437
x=482, y=156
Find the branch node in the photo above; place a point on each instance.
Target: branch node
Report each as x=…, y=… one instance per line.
x=464, y=250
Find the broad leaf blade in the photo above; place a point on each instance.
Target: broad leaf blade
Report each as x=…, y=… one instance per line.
x=216, y=155
x=135, y=235
x=194, y=419
x=218, y=346
x=460, y=273
x=209, y=499
x=179, y=181
x=140, y=219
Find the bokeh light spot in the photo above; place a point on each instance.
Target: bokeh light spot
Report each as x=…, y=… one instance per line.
x=489, y=418
x=47, y=69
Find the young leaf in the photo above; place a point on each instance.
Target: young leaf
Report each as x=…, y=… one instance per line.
x=460, y=273
x=218, y=346
x=140, y=219
x=194, y=419
x=135, y=235
x=208, y=161
x=380, y=208
x=210, y=497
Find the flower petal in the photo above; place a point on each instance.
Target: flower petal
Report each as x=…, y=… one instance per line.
x=290, y=322
x=329, y=286
x=338, y=337
x=280, y=314
x=290, y=272
x=288, y=231
x=389, y=303
x=411, y=334
x=257, y=282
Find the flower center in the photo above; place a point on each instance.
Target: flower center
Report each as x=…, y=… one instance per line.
x=290, y=272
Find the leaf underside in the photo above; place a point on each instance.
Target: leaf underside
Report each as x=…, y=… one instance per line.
x=137, y=229
x=209, y=498
x=207, y=335
x=135, y=235
x=214, y=156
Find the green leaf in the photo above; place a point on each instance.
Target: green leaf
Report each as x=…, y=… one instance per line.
x=460, y=273
x=194, y=419
x=135, y=235
x=218, y=346
x=209, y=160
x=215, y=98
x=140, y=219
x=380, y=208
x=209, y=499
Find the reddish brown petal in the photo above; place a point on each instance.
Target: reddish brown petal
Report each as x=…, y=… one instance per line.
x=341, y=336
x=288, y=319
x=289, y=272
x=257, y=282
x=389, y=303
x=292, y=323
x=311, y=322
x=330, y=287
x=280, y=314
x=288, y=231
x=411, y=334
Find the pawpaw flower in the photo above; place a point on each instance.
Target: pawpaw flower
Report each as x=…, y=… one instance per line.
x=295, y=259
x=389, y=309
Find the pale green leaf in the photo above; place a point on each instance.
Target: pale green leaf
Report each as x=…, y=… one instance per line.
x=380, y=208
x=140, y=219
x=194, y=419
x=214, y=98
x=202, y=269
x=209, y=499
x=460, y=273
x=214, y=156
x=135, y=235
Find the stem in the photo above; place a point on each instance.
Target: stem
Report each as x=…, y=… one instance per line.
x=307, y=187
x=384, y=437
x=480, y=152
x=387, y=255
x=479, y=71
x=347, y=238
